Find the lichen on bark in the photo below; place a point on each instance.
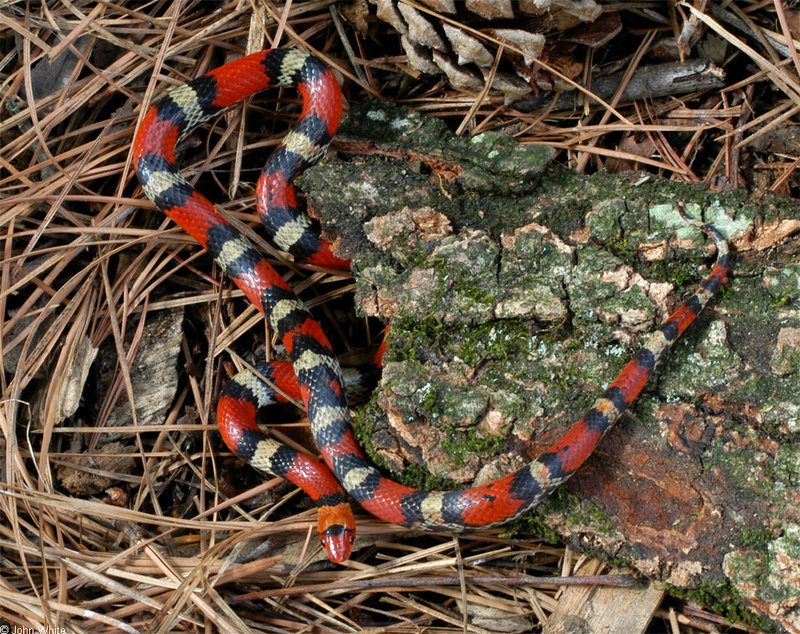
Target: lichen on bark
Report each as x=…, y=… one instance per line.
x=517, y=292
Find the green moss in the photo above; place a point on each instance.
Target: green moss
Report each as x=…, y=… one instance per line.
x=621, y=248
x=763, y=570
x=722, y=599
x=751, y=536
x=784, y=283
x=471, y=291
x=702, y=362
x=460, y=443
x=603, y=220
x=676, y=272
x=582, y=514
x=785, y=473
x=419, y=478
x=531, y=524
x=741, y=473
x=471, y=344
x=363, y=424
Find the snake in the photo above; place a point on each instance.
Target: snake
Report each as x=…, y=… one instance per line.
x=315, y=371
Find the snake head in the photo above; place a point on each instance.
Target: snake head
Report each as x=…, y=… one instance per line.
x=337, y=531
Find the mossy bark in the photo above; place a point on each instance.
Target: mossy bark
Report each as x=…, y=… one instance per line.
x=517, y=291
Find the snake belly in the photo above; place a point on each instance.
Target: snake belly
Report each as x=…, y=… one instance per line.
x=317, y=371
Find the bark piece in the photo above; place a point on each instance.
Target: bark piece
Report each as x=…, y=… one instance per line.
x=699, y=480
x=651, y=82
x=88, y=474
x=153, y=373
x=604, y=609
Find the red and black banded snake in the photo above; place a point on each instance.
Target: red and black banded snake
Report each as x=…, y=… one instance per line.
x=316, y=372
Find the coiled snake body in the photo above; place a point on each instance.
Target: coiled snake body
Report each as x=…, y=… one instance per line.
x=319, y=379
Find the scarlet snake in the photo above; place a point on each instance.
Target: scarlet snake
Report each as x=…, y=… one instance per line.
x=317, y=370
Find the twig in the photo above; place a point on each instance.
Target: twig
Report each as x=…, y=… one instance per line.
x=410, y=583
